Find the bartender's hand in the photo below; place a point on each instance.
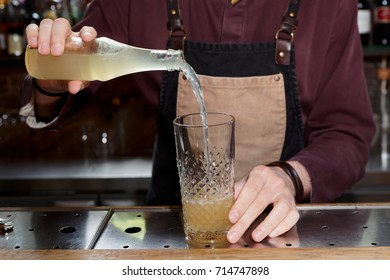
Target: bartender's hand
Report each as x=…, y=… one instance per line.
x=265, y=186
x=50, y=37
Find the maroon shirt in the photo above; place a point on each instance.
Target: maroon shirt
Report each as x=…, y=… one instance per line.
x=335, y=105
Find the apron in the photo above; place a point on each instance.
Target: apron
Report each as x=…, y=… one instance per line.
x=256, y=83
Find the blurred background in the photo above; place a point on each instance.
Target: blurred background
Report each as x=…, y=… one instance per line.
x=102, y=154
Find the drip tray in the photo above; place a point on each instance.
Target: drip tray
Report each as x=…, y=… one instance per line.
x=155, y=228
x=161, y=227
x=51, y=229
x=344, y=227
x=333, y=227
x=318, y=227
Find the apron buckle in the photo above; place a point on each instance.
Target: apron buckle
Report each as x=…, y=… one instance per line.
x=176, y=39
x=177, y=34
x=284, y=41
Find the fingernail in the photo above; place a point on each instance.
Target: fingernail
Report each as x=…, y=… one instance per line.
x=258, y=236
x=233, y=217
x=34, y=41
x=44, y=49
x=273, y=234
x=87, y=33
x=57, y=49
x=232, y=236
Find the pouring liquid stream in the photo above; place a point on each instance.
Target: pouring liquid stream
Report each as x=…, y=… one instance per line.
x=177, y=62
x=192, y=78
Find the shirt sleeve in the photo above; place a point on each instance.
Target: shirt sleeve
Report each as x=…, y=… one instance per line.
x=339, y=124
x=27, y=107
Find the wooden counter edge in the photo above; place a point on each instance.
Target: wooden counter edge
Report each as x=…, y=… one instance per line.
x=357, y=253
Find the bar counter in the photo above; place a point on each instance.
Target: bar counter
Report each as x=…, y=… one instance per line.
x=324, y=231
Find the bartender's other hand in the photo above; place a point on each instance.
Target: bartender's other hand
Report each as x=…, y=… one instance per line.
x=263, y=186
x=50, y=38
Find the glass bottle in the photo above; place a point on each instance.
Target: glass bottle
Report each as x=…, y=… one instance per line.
x=16, y=23
x=76, y=10
x=54, y=9
x=382, y=23
x=364, y=21
x=383, y=75
x=103, y=59
x=3, y=27
x=34, y=15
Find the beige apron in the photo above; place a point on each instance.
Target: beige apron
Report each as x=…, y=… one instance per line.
x=258, y=105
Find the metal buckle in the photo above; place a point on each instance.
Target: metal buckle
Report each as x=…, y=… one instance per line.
x=176, y=38
x=181, y=31
x=289, y=34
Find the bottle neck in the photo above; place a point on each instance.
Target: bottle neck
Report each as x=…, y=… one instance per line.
x=142, y=59
x=172, y=59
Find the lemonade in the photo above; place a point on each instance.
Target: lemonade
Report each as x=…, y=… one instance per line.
x=206, y=221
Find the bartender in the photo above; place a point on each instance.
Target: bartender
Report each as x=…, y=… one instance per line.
x=290, y=71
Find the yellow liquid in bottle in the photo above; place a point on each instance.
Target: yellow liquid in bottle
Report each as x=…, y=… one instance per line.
x=97, y=66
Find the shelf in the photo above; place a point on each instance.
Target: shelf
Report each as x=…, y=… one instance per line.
x=372, y=51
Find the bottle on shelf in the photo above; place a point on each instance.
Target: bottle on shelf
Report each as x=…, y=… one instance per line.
x=54, y=9
x=382, y=23
x=383, y=76
x=364, y=21
x=76, y=10
x=3, y=27
x=16, y=15
x=103, y=59
x=34, y=16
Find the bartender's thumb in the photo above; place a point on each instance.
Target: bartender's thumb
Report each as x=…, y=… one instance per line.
x=76, y=86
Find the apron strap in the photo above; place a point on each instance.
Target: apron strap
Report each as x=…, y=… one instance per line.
x=175, y=26
x=285, y=35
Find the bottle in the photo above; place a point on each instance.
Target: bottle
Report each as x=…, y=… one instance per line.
x=16, y=23
x=364, y=21
x=382, y=23
x=3, y=27
x=76, y=10
x=33, y=15
x=54, y=9
x=103, y=59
